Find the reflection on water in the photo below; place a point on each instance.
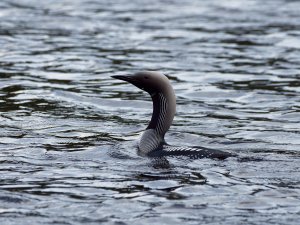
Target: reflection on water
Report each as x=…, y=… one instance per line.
x=67, y=129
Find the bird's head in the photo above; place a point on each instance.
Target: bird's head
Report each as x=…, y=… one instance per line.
x=149, y=81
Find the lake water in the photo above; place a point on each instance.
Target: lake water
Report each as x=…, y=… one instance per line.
x=67, y=129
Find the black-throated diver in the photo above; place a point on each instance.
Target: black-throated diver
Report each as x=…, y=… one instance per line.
x=152, y=142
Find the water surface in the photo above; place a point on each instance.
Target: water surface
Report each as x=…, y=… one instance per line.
x=67, y=129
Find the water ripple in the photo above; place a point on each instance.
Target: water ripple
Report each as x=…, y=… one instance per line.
x=67, y=129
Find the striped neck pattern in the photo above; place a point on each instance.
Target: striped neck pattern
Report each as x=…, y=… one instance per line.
x=162, y=116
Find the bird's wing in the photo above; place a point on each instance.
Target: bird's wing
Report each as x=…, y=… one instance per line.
x=192, y=152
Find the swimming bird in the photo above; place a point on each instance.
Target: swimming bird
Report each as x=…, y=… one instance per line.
x=152, y=141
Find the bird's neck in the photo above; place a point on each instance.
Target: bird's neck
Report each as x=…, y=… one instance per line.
x=164, y=108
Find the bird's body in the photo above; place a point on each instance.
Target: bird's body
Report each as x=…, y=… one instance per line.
x=152, y=142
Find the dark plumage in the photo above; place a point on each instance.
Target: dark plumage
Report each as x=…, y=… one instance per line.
x=152, y=142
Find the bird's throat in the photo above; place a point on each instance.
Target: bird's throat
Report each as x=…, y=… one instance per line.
x=162, y=115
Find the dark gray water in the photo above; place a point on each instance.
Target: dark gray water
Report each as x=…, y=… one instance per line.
x=67, y=129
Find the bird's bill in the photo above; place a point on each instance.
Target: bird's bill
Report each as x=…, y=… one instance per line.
x=127, y=78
